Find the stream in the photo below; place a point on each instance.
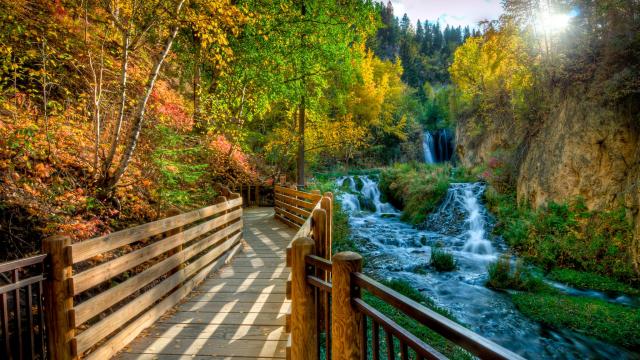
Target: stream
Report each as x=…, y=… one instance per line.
x=462, y=226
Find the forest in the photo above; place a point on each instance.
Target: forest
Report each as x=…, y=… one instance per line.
x=497, y=161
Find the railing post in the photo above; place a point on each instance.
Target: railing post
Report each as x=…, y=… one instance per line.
x=58, y=297
x=177, y=249
x=304, y=339
x=327, y=205
x=346, y=321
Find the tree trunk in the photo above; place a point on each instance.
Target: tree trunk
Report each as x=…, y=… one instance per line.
x=126, y=38
x=139, y=118
x=301, y=123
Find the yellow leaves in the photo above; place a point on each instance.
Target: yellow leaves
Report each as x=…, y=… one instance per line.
x=496, y=62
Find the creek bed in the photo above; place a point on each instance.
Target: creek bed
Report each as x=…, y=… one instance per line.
x=462, y=226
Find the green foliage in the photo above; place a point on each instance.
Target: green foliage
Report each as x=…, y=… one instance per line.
x=617, y=324
x=503, y=276
x=567, y=236
x=418, y=188
x=442, y=260
x=178, y=175
x=591, y=281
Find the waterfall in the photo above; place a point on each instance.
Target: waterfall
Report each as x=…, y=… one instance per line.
x=369, y=194
x=462, y=213
x=429, y=147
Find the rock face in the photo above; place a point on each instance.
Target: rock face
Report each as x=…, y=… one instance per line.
x=580, y=149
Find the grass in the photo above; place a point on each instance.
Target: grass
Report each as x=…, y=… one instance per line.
x=418, y=188
x=442, y=260
x=591, y=281
x=610, y=322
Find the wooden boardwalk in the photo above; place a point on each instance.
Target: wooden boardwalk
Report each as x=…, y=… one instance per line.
x=238, y=312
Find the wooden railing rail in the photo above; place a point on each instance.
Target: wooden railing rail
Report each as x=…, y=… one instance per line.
x=22, y=332
x=465, y=338
x=103, y=292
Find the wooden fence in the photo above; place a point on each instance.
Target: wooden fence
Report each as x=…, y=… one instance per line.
x=330, y=320
x=101, y=293
x=21, y=304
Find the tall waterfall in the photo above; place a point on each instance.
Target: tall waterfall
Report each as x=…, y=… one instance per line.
x=429, y=148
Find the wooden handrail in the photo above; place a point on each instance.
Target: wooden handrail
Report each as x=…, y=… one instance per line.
x=191, y=245
x=458, y=334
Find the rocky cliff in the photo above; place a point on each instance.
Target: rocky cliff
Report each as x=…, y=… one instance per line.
x=578, y=149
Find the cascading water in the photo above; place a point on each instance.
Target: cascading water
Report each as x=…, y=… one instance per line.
x=461, y=226
x=428, y=147
x=462, y=202
x=369, y=193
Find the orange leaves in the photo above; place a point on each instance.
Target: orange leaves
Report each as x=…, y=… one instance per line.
x=43, y=170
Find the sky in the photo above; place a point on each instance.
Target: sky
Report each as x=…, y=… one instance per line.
x=452, y=12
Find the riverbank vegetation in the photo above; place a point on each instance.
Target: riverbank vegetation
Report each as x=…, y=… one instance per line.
x=417, y=189
x=611, y=322
x=567, y=236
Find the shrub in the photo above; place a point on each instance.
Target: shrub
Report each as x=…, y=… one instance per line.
x=503, y=276
x=418, y=188
x=442, y=260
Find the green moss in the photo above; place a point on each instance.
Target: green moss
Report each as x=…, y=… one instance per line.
x=418, y=188
x=610, y=322
x=586, y=280
x=442, y=260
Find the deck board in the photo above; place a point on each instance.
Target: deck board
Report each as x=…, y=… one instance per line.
x=238, y=312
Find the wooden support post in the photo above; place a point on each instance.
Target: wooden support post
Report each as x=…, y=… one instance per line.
x=258, y=195
x=304, y=339
x=319, y=231
x=346, y=322
x=177, y=249
x=58, y=297
x=327, y=206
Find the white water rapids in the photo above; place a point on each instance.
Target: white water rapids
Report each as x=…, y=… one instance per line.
x=461, y=226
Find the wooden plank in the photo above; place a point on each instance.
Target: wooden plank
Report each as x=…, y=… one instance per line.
x=242, y=307
x=92, y=247
x=296, y=202
x=213, y=347
x=301, y=194
x=215, y=331
x=103, y=272
x=287, y=221
x=109, y=324
x=301, y=212
x=289, y=287
x=243, y=297
x=255, y=319
x=291, y=216
x=108, y=298
x=239, y=289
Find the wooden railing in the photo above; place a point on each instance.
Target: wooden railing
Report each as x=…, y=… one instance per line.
x=21, y=304
x=101, y=293
x=312, y=214
x=329, y=319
